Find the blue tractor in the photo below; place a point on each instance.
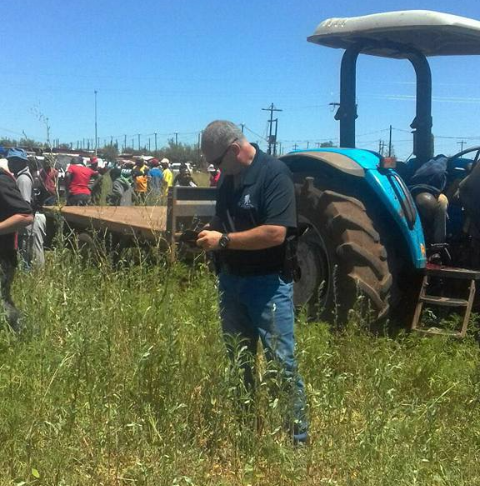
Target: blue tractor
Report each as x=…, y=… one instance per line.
x=364, y=235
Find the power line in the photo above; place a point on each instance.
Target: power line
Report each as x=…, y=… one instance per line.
x=255, y=133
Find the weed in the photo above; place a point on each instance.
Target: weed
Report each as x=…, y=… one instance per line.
x=122, y=378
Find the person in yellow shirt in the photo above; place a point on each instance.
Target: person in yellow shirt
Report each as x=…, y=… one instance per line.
x=140, y=180
x=167, y=175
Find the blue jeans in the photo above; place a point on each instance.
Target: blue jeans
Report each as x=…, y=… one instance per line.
x=262, y=307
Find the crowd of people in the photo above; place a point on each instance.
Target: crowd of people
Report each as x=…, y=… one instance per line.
x=137, y=181
x=40, y=183
x=133, y=181
x=140, y=180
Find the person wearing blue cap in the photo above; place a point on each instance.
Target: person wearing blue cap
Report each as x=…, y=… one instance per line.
x=18, y=166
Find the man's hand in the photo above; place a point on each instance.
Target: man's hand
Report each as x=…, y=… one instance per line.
x=208, y=240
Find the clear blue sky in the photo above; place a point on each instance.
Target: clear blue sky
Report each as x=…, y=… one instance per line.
x=173, y=66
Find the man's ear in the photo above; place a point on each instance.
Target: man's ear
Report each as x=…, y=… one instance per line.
x=236, y=149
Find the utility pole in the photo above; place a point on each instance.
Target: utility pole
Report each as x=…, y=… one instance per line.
x=149, y=144
x=199, y=142
x=138, y=135
x=295, y=147
x=124, y=143
x=272, y=138
x=155, y=141
x=380, y=146
x=390, y=143
x=48, y=132
x=242, y=125
x=96, y=127
x=462, y=144
x=176, y=138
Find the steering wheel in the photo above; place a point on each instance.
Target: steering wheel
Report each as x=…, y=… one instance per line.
x=452, y=190
x=465, y=152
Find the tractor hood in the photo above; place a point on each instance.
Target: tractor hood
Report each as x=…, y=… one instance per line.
x=390, y=34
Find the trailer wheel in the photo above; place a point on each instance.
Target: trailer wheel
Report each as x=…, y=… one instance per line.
x=341, y=257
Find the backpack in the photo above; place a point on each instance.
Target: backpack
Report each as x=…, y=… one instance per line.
x=39, y=193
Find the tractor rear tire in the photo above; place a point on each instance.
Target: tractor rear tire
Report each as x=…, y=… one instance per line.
x=342, y=258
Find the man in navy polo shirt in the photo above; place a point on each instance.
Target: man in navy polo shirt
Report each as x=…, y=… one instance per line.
x=255, y=213
x=15, y=215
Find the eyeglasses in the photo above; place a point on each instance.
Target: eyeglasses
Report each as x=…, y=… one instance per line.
x=219, y=160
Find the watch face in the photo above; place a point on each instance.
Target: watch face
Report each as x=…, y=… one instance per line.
x=224, y=240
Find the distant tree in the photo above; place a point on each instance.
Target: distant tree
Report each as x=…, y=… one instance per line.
x=327, y=144
x=8, y=142
x=29, y=143
x=182, y=152
x=110, y=152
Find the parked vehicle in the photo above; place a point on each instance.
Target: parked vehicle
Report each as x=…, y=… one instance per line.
x=175, y=167
x=364, y=234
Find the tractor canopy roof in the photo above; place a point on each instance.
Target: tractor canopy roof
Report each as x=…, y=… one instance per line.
x=393, y=34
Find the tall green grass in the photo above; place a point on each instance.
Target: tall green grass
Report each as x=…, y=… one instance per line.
x=121, y=378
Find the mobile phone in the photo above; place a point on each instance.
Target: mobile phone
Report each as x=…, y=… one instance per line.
x=189, y=236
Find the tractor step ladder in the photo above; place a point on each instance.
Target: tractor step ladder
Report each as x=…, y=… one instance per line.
x=445, y=273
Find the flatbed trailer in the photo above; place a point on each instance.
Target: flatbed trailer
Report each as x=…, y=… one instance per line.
x=187, y=208
x=149, y=222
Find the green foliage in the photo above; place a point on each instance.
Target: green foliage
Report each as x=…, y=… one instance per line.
x=122, y=378
x=110, y=152
x=181, y=152
x=24, y=142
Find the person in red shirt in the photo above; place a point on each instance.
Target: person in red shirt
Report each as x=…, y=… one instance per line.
x=214, y=175
x=49, y=178
x=77, y=183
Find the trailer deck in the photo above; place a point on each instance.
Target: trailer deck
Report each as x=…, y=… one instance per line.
x=147, y=221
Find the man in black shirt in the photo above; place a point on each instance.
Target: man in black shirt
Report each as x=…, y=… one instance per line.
x=255, y=213
x=15, y=214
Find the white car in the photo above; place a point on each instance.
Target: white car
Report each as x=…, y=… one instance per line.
x=175, y=167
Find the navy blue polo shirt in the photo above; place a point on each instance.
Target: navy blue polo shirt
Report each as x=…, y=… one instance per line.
x=265, y=196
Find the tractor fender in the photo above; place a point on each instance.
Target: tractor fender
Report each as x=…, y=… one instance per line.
x=396, y=205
